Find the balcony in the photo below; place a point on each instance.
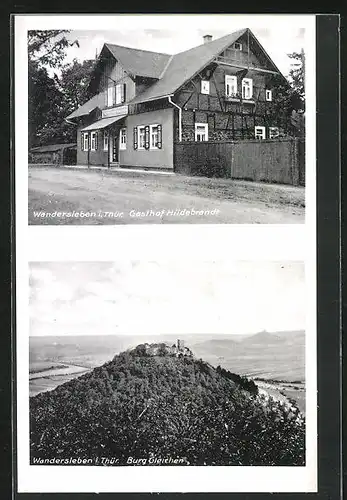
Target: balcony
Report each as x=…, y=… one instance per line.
x=237, y=98
x=242, y=63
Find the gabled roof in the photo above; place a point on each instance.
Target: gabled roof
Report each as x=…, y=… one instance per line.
x=170, y=71
x=97, y=101
x=139, y=62
x=185, y=65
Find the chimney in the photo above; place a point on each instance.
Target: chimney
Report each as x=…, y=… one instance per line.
x=207, y=38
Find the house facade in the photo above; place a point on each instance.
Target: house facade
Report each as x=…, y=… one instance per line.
x=143, y=102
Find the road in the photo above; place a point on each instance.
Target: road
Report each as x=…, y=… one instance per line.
x=76, y=196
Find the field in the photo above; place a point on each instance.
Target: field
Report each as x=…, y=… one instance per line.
x=283, y=391
x=113, y=197
x=275, y=361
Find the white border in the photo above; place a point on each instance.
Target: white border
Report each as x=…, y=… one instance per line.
x=244, y=242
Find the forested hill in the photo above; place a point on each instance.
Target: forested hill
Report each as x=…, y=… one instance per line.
x=153, y=401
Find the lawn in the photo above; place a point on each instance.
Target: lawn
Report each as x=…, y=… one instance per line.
x=78, y=196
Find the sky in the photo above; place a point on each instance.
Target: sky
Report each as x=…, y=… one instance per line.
x=166, y=297
x=278, y=40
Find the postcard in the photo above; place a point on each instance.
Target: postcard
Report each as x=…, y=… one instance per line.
x=166, y=253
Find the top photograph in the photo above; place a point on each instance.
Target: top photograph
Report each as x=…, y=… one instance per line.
x=167, y=126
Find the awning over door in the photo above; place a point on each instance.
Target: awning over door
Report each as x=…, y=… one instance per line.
x=104, y=122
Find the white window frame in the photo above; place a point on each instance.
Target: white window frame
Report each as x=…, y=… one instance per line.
x=239, y=46
x=205, y=133
x=268, y=95
x=118, y=99
x=151, y=127
x=230, y=85
x=247, y=83
x=139, y=134
x=93, y=141
x=262, y=130
x=273, y=130
x=106, y=139
x=85, y=141
x=110, y=96
x=123, y=139
x=205, y=86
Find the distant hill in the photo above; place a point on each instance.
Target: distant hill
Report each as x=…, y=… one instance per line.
x=264, y=338
x=275, y=355
x=158, y=401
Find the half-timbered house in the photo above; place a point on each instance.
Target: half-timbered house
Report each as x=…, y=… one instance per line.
x=144, y=102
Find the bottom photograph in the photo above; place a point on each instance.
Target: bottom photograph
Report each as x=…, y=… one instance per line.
x=167, y=363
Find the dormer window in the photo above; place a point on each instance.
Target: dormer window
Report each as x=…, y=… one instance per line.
x=205, y=87
x=110, y=95
x=120, y=93
x=116, y=94
x=238, y=46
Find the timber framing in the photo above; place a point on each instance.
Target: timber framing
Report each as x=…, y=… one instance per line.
x=224, y=61
x=164, y=96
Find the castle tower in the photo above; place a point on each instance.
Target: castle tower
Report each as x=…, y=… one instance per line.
x=180, y=345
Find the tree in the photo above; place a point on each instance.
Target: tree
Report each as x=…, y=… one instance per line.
x=52, y=98
x=73, y=83
x=44, y=106
x=297, y=73
x=48, y=47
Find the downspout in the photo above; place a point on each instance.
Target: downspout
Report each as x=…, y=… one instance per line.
x=179, y=117
x=88, y=152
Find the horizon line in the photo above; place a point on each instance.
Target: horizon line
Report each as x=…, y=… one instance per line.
x=163, y=334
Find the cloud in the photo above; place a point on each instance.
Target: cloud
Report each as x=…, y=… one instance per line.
x=166, y=297
x=278, y=40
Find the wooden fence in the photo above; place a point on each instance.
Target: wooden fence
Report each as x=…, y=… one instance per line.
x=278, y=161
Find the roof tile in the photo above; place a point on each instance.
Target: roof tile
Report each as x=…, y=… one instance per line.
x=139, y=62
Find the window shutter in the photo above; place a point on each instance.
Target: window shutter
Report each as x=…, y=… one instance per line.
x=82, y=141
x=96, y=140
x=147, y=137
x=124, y=97
x=135, y=137
x=159, y=137
x=88, y=141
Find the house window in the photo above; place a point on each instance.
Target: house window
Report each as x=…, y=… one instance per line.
x=93, y=141
x=273, y=132
x=110, y=95
x=105, y=140
x=201, y=132
x=85, y=141
x=123, y=138
x=259, y=132
x=268, y=95
x=154, y=136
x=205, y=87
x=141, y=141
x=118, y=94
x=230, y=86
x=237, y=46
x=247, y=88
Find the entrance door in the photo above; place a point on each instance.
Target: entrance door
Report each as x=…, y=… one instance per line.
x=113, y=147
